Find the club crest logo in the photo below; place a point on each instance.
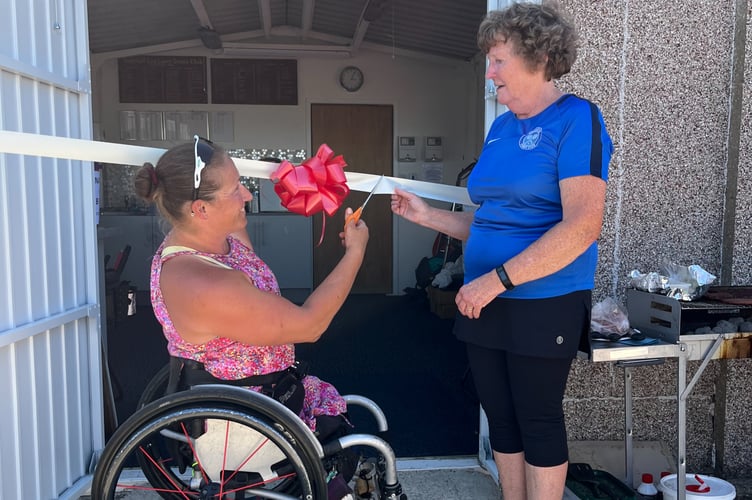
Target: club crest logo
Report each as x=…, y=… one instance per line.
x=531, y=139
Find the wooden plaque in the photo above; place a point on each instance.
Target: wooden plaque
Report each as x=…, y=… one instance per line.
x=254, y=81
x=163, y=79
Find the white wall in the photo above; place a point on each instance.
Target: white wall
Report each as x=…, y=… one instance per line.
x=430, y=98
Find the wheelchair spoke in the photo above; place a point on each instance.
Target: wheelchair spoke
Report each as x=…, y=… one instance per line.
x=252, y=487
x=224, y=481
x=189, y=449
x=191, y=444
x=163, y=470
x=250, y=456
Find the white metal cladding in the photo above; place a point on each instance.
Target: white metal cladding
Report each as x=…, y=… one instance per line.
x=50, y=354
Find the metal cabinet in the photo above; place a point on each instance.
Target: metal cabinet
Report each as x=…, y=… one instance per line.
x=285, y=243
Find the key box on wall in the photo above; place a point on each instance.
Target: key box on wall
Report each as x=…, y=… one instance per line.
x=407, y=150
x=434, y=150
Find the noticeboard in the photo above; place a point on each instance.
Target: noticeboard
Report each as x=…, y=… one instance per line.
x=254, y=81
x=162, y=79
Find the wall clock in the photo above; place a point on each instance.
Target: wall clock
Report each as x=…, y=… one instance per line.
x=351, y=78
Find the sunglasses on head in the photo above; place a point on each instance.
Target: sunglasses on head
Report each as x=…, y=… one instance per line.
x=202, y=152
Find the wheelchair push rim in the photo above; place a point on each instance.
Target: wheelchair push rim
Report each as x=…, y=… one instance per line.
x=222, y=443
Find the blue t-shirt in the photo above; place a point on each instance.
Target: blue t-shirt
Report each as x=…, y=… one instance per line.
x=516, y=185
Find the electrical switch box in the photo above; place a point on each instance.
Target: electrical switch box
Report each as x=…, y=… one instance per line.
x=434, y=150
x=407, y=150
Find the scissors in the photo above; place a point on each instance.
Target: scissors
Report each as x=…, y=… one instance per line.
x=355, y=216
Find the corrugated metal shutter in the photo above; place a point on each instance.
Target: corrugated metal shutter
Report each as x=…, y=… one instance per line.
x=50, y=355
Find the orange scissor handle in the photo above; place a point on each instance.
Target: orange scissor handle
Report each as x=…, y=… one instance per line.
x=355, y=216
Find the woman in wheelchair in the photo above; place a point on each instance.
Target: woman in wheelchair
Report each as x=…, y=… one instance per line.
x=218, y=302
x=225, y=321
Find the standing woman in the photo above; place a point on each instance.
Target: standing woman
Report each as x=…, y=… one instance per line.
x=531, y=251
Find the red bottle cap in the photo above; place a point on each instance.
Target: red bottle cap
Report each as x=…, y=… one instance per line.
x=647, y=478
x=665, y=473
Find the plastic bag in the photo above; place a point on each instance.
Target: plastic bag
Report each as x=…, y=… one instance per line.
x=649, y=282
x=609, y=317
x=687, y=283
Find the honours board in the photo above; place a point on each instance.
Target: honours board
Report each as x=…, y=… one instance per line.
x=162, y=79
x=254, y=81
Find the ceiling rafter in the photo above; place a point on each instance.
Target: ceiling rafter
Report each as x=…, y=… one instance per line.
x=372, y=10
x=361, y=28
x=306, y=22
x=203, y=16
x=265, y=12
x=209, y=37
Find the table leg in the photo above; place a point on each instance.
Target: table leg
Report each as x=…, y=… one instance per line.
x=628, y=429
x=681, y=462
x=683, y=393
x=628, y=425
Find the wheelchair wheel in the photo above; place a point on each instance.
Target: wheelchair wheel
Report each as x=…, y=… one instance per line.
x=213, y=442
x=156, y=387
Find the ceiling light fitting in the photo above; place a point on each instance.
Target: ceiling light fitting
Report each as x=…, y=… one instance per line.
x=210, y=38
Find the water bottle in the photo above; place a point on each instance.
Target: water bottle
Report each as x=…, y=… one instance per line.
x=647, y=489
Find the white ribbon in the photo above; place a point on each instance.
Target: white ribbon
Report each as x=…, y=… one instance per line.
x=108, y=152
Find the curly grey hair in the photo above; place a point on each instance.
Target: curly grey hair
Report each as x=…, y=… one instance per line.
x=540, y=34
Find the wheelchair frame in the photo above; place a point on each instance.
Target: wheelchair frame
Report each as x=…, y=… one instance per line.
x=221, y=441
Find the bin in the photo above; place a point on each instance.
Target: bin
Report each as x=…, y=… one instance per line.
x=719, y=489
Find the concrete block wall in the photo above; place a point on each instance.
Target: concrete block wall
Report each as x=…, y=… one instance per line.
x=674, y=82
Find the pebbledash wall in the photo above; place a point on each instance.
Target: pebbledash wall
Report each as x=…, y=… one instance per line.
x=674, y=82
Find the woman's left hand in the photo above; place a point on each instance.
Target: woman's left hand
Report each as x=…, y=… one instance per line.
x=477, y=294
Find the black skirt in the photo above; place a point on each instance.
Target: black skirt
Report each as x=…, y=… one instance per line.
x=555, y=327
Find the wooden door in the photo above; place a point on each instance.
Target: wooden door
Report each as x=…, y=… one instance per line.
x=362, y=134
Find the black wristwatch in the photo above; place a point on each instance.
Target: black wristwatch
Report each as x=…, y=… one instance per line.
x=504, y=277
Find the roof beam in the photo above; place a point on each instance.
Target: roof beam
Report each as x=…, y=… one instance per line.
x=265, y=12
x=306, y=22
x=361, y=28
x=372, y=10
x=209, y=37
x=203, y=16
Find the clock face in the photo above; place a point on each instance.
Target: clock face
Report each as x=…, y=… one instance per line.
x=351, y=78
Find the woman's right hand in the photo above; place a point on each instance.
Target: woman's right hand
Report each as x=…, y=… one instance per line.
x=409, y=206
x=355, y=234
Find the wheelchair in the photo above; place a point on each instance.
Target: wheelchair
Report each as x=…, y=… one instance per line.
x=226, y=442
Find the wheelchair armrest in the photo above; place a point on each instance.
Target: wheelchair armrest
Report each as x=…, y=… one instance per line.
x=370, y=405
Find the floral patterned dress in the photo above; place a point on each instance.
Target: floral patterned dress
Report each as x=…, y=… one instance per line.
x=229, y=359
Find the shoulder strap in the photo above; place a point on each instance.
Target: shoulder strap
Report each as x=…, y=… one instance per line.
x=173, y=249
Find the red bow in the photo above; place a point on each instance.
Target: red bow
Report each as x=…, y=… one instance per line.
x=317, y=184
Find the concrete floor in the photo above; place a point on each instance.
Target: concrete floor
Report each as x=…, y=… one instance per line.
x=463, y=479
x=451, y=479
